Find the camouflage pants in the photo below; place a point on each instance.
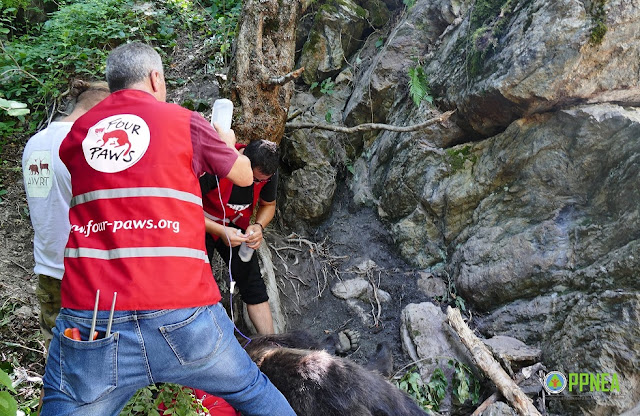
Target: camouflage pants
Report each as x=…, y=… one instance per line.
x=48, y=293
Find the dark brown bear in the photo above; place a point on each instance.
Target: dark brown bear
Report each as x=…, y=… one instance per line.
x=317, y=383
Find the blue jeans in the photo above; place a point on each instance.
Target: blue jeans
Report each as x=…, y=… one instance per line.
x=193, y=347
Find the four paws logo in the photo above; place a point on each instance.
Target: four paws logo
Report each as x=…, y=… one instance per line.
x=116, y=143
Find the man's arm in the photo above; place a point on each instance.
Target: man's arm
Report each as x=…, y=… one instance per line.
x=229, y=235
x=265, y=213
x=241, y=173
x=217, y=155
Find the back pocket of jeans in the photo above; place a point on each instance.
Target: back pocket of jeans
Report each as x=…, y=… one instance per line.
x=88, y=370
x=194, y=339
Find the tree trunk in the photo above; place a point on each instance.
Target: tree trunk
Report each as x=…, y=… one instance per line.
x=265, y=51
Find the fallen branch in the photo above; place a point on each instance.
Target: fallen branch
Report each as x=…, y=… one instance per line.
x=523, y=374
x=482, y=356
x=17, y=264
x=371, y=126
x=283, y=79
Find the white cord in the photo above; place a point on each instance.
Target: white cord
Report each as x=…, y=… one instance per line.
x=232, y=283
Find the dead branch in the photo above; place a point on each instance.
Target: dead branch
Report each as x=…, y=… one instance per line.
x=283, y=79
x=311, y=245
x=17, y=264
x=290, y=276
x=482, y=356
x=372, y=126
x=524, y=374
x=284, y=263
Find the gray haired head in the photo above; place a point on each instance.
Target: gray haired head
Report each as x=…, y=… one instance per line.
x=131, y=63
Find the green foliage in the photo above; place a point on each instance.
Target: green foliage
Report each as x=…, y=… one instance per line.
x=598, y=18
x=465, y=385
x=8, y=405
x=409, y=3
x=456, y=157
x=488, y=21
x=328, y=116
x=452, y=297
x=419, y=86
x=380, y=43
x=13, y=108
x=326, y=86
x=37, y=66
x=428, y=396
x=223, y=23
x=178, y=400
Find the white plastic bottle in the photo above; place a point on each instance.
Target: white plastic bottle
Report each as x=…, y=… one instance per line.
x=245, y=253
x=222, y=113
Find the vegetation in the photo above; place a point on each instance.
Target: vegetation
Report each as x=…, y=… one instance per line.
x=179, y=401
x=464, y=386
x=325, y=87
x=419, y=86
x=8, y=405
x=39, y=59
x=428, y=396
x=598, y=18
x=488, y=21
x=456, y=157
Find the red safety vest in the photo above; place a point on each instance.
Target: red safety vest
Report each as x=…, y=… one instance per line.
x=136, y=213
x=214, y=211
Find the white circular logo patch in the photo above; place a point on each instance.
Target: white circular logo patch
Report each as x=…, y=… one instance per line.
x=116, y=143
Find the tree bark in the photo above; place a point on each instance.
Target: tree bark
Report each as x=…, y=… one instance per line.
x=490, y=366
x=265, y=52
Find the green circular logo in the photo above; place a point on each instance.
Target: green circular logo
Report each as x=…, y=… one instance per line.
x=554, y=382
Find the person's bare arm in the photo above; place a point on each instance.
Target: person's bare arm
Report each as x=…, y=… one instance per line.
x=264, y=215
x=241, y=173
x=229, y=235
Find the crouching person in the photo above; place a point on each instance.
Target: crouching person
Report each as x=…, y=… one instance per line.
x=137, y=229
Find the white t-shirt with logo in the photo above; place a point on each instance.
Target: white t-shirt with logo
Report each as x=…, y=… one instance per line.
x=47, y=183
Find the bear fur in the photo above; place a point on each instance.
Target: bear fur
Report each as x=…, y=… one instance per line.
x=317, y=383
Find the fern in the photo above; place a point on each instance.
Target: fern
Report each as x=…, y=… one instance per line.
x=419, y=86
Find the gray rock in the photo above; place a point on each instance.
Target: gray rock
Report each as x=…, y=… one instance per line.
x=534, y=56
x=309, y=193
x=335, y=35
x=431, y=286
x=513, y=350
x=499, y=409
x=350, y=289
x=359, y=288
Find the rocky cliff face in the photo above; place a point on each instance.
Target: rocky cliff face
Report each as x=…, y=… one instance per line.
x=528, y=198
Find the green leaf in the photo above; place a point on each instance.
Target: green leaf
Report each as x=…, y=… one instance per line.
x=328, y=116
x=8, y=405
x=16, y=112
x=418, y=85
x=5, y=380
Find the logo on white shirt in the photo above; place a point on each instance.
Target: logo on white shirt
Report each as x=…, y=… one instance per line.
x=116, y=143
x=37, y=174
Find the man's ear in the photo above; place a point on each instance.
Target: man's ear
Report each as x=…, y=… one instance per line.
x=156, y=80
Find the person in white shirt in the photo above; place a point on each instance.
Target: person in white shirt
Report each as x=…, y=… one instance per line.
x=48, y=187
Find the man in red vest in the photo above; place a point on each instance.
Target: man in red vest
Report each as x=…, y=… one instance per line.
x=137, y=230
x=228, y=209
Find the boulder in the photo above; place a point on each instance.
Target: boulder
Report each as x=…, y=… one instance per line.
x=512, y=59
x=336, y=33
